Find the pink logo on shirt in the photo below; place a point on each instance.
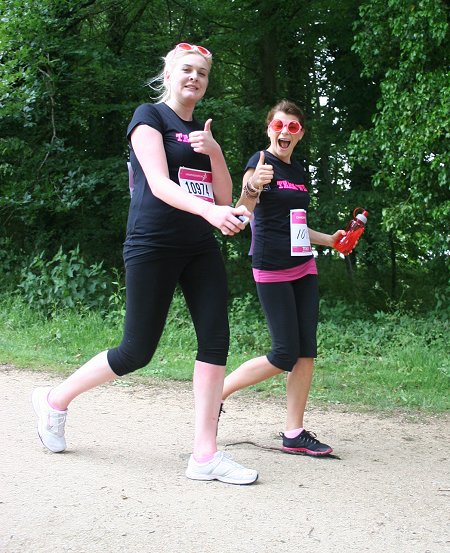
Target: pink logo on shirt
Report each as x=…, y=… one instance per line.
x=286, y=185
x=182, y=137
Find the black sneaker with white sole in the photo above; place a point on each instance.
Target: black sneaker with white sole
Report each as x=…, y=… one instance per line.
x=305, y=443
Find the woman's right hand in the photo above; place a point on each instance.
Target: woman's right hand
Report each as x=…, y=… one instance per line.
x=225, y=218
x=262, y=175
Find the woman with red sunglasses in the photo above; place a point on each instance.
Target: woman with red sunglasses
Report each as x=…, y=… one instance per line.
x=275, y=188
x=182, y=190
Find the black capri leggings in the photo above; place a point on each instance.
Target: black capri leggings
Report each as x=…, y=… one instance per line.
x=292, y=313
x=150, y=286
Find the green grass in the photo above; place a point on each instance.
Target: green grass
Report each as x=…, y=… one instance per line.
x=384, y=362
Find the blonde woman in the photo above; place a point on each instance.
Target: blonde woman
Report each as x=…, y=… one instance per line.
x=182, y=191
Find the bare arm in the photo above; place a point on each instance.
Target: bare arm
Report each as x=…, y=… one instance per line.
x=149, y=149
x=223, y=184
x=322, y=239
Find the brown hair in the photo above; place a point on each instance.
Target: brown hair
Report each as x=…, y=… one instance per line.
x=286, y=106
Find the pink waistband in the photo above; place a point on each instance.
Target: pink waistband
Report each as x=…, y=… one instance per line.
x=284, y=275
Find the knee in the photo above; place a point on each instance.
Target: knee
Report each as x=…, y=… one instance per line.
x=284, y=361
x=214, y=349
x=123, y=362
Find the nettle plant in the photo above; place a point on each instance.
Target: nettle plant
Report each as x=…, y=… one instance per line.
x=65, y=281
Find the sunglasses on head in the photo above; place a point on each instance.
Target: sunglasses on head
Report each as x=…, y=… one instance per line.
x=186, y=47
x=293, y=126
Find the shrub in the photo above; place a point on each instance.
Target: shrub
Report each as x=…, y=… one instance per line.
x=65, y=281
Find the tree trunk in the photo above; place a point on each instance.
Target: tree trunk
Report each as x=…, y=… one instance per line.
x=393, y=254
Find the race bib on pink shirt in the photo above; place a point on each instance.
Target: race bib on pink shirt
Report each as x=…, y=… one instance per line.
x=197, y=182
x=300, y=243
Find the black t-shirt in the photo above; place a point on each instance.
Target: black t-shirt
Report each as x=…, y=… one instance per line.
x=271, y=229
x=156, y=229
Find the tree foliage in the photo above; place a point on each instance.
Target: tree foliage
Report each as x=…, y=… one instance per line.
x=370, y=75
x=404, y=46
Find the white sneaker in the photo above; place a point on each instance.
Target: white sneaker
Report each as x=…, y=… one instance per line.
x=50, y=421
x=222, y=468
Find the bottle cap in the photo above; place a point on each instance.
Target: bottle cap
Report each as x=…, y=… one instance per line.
x=361, y=216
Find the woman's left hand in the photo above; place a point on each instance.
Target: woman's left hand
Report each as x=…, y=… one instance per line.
x=203, y=141
x=337, y=236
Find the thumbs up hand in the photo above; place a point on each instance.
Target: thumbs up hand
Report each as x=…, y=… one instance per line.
x=263, y=173
x=203, y=141
x=262, y=156
x=208, y=125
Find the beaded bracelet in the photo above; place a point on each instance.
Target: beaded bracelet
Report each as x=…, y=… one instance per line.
x=249, y=191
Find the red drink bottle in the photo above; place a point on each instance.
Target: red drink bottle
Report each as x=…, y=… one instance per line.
x=353, y=231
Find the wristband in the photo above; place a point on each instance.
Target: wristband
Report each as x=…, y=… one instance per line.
x=249, y=191
x=251, y=187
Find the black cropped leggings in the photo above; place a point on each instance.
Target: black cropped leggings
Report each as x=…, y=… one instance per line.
x=150, y=286
x=292, y=313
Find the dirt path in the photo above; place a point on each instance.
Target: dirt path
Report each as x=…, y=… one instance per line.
x=120, y=487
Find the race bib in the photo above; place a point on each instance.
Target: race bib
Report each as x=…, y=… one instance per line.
x=300, y=244
x=196, y=182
